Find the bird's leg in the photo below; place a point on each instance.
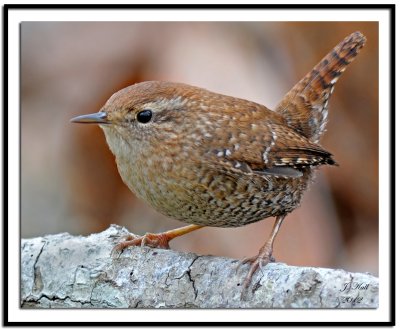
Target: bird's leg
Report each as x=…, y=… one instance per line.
x=264, y=255
x=159, y=240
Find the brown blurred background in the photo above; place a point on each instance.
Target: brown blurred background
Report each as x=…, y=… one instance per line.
x=69, y=181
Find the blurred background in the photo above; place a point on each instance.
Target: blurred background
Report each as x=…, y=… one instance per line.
x=69, y=180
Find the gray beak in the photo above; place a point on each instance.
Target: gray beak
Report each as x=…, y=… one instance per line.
x=99, y=117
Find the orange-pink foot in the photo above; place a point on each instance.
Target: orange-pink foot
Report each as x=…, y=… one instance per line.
x=263, y=258
x=264, y=255
x=160, y=240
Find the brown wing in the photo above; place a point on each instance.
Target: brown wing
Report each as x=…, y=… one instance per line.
x=269, y=148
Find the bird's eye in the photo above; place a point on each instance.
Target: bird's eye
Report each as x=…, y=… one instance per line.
x=144, y=116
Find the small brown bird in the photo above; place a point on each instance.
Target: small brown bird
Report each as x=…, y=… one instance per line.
x=214, y=160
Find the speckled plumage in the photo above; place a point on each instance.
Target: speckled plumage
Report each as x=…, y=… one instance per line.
x=215, y=160
x=210, y=168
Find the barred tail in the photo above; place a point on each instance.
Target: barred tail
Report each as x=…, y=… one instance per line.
x=305, y=106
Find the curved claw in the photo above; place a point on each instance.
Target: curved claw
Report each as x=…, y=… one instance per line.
x=124, y=244
x=264, y=255
x=245, y=261
x=149, y=239
x=261, y=260
x=160, y=240
x=256, y=262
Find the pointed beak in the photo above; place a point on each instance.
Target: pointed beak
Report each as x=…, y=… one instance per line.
x=99, y=118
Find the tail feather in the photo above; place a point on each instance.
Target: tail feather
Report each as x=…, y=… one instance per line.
x=305, y=106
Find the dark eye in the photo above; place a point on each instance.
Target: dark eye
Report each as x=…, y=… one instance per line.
x=144, y=116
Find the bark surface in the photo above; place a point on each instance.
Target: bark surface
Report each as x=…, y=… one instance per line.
x=64, y=271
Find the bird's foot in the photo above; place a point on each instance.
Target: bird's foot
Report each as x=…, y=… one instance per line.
x=263, y=258
x=160, y=240
x=264, y=255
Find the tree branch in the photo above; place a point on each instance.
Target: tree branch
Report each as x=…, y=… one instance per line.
x=64, y=271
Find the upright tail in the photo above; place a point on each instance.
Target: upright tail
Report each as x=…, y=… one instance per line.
x=305, y=106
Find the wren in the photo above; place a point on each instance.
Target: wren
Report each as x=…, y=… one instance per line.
x=214, y=160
